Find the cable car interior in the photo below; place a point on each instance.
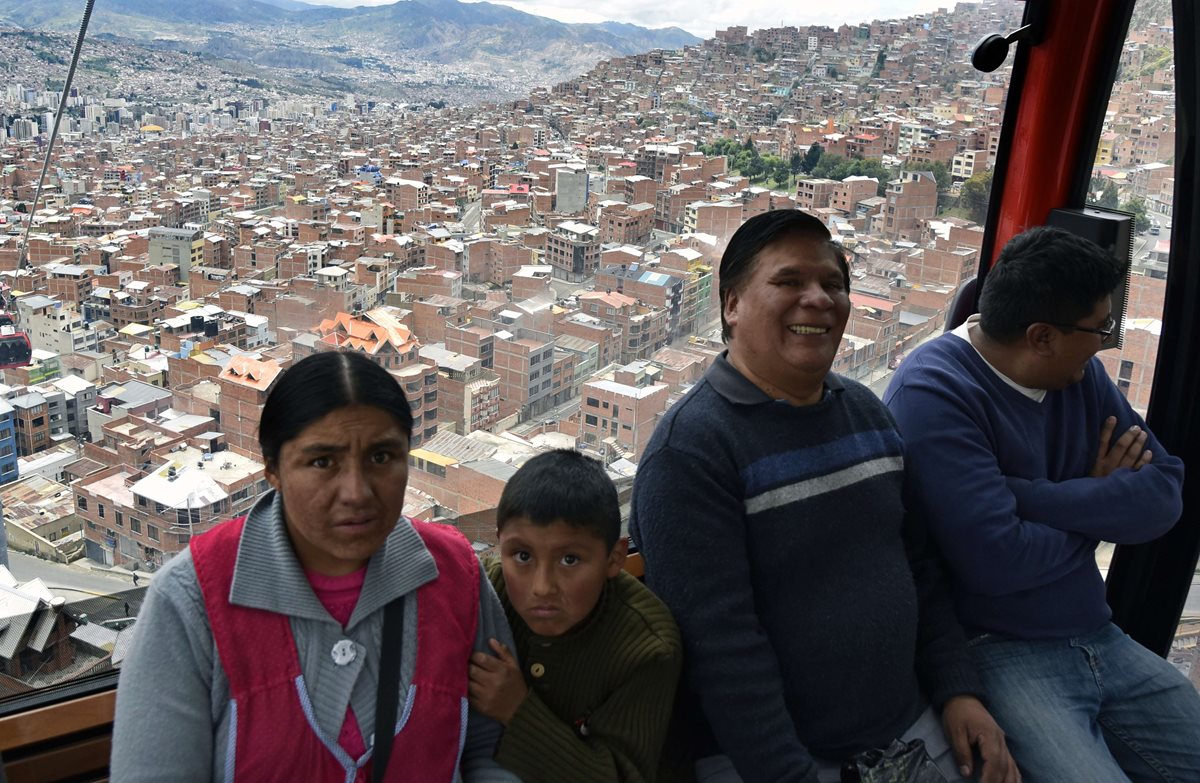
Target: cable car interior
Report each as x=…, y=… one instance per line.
x=1064, y=58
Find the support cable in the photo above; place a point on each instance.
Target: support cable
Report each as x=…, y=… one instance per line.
x=23, y=252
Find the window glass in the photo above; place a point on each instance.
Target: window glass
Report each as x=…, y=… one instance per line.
x=881, y=127
x=1134, y=171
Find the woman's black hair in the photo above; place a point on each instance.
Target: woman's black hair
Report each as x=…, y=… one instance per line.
x=320, y=384
x=737, y=263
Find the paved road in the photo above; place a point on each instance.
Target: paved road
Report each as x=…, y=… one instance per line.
x=471, y=218
x=74, y=581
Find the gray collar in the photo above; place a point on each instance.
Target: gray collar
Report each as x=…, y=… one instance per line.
x=267, y=575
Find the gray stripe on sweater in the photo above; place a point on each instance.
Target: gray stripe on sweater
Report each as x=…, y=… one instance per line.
x=808, y=488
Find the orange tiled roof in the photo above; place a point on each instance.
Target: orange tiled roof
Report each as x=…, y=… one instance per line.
x=369, y=333
x=612, y=300
x=248, y=371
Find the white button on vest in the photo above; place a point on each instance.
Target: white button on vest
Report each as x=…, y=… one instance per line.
x=344, y=652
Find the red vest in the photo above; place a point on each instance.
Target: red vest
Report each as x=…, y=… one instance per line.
x=271, y=717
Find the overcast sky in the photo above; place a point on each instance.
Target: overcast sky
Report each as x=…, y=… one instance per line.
x=704, y=17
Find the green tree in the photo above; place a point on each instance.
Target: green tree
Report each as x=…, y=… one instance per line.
x=1137, y=206
x=873, y=167
x=811, y=158
x=753, y=168
x=827, y=166
x=975, y=194
x=941, y=174
x=1108, y=195
x=776, y=169
x=879, y=61
x=837, y=167
x=740, y=161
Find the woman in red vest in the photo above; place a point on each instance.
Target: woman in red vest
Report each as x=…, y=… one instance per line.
x=282, y=643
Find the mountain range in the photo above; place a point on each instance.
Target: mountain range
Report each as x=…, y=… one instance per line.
x=289, y=33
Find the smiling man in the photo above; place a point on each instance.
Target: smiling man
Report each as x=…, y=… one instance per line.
x=769, y=510
x=1026, y=456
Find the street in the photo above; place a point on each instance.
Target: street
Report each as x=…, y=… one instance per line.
x=73, y=581
x=471, y=217
x=1144, y=243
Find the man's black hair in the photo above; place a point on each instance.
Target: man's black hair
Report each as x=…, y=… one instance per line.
x=737, y=263
x=563, y=485
x=1045, y=275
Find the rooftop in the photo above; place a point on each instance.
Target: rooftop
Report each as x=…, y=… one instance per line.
x=133, y=393
x=198, y=482
x=248, y=371
x=34, y=501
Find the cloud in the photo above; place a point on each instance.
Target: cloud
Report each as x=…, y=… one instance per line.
x=704, y=19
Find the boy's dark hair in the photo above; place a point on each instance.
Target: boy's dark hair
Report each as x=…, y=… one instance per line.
x=563, y=484
x=319, y=384
x=737, y=263
x=1045, y=275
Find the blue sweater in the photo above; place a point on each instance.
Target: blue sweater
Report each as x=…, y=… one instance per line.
x=812, y=616
x=1004, y=482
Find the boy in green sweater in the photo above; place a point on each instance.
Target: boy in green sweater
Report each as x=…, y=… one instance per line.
x=599, y=654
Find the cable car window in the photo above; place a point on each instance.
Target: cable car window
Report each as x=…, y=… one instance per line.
x=1134, y=171
x=882, y=127
x=930, y=140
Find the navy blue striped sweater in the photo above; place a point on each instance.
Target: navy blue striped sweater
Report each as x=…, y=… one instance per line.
x=814, y=617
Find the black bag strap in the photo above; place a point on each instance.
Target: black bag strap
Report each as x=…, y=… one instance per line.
x=387, y=698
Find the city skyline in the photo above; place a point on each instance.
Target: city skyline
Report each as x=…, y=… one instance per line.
x=704, y=21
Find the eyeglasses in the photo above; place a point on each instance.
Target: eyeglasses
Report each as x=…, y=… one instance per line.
x=1105, y=331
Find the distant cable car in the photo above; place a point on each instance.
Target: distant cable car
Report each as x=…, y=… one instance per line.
x=15, y=350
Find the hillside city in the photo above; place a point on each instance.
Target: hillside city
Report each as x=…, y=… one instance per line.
x=537, y=273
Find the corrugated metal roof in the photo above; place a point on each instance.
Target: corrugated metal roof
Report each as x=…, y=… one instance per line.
x=435, y=458
x=455, y=447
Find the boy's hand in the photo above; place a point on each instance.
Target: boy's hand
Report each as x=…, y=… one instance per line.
x=496, y=686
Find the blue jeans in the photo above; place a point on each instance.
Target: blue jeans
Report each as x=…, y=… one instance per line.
x=1099, y=708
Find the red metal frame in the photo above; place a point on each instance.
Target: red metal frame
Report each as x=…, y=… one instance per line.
x=1062, y=74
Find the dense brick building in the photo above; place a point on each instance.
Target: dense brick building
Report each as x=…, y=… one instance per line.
x=573, y=249
x=245, y=382
x=619, y=411
x=141, y=520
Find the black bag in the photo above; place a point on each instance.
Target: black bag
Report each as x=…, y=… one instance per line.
x=900, y=762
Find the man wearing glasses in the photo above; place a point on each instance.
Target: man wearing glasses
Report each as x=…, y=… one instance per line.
x=1025, y=456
